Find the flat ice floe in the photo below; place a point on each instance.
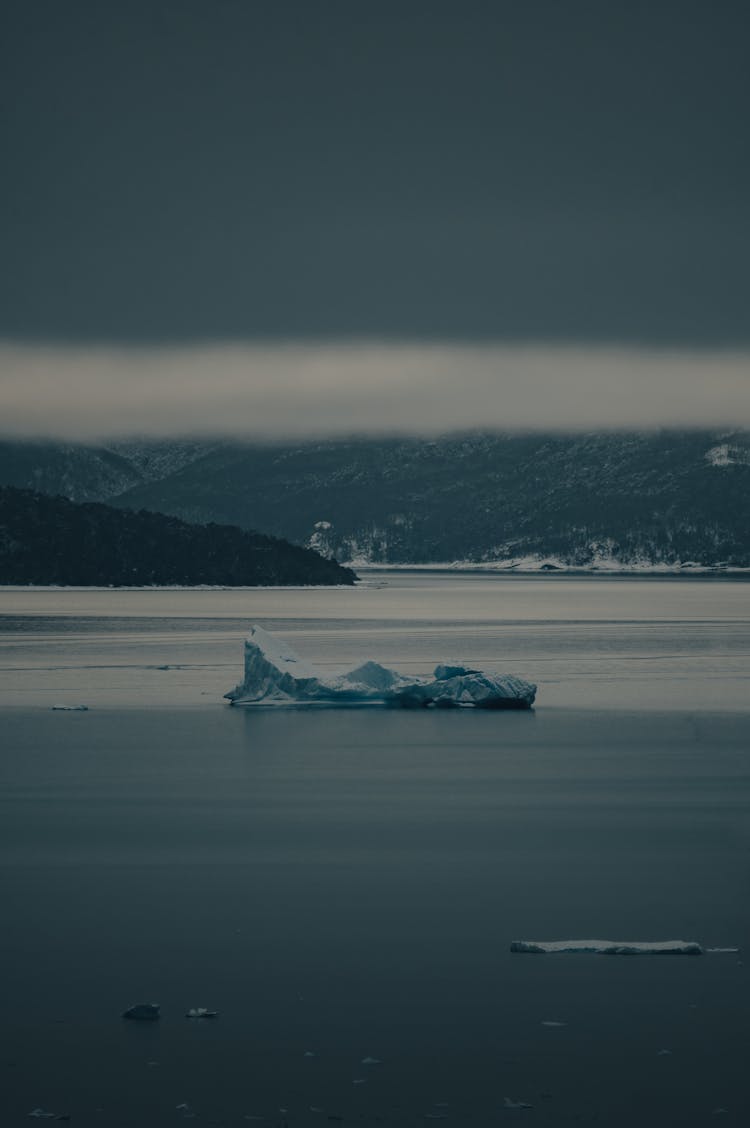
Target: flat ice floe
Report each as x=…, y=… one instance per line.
x=275, y=675
x=612, y=947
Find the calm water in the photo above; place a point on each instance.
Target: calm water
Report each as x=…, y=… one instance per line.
x=667, y=644
x=348, y=883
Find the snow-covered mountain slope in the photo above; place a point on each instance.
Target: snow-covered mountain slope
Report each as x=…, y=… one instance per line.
x=635, y=500
x=156, y=459
x=73, y=470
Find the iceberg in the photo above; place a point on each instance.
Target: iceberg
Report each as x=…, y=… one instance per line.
x=275, y=675
x=612, y=947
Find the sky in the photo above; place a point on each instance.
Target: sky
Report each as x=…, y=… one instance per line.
x=253, y=203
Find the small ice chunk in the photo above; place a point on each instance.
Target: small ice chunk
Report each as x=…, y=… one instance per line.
x=69, y=709
x=309, y=1054
x=359, y=1081
x=722, y=951
x=663, y=1053
x=201, y=1012
x=370, y=1061
x=41, y=1114
x=552, y=1022
x=508, y=1102
x=611, y=947
x=145, y=1012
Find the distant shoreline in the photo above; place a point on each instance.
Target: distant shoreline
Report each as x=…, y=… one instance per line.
x=650, y=571
x=364, y=571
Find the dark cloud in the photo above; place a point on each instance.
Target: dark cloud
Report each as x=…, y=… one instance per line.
x=302, y=168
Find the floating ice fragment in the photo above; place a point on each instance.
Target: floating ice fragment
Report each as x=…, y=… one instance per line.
x=722, y=951
x=274, y=675
x=145, y=1012
x=663, y=1053
x=69, y=709
x=551, y=1022
x=508, y=1102
x=309, y=1054
x=41, y=1114
x=201, y=1012
x=611, y=947
x=359, y=1081
x=314, y=1108
x=370, y=1061
x=436, y=1116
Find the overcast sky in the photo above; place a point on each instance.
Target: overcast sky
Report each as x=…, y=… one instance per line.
x=197, y=186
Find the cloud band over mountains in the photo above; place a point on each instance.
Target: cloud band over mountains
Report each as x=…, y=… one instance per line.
x=278, y=390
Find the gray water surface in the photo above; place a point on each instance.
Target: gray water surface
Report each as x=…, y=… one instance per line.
x=348, y=883
x=588, y=642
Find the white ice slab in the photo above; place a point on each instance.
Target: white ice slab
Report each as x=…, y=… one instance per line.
x=612, y=947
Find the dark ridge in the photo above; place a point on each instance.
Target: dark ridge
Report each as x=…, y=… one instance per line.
x=50, y=540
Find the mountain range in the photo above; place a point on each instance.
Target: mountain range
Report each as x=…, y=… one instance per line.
x=631, y=500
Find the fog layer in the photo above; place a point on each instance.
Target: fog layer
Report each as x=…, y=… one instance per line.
x=307, y=390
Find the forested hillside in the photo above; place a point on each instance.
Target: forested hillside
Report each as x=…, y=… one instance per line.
x=50, y=540
x=651, y=499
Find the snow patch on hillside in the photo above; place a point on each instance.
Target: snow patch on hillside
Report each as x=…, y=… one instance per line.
x=727, y=454
x=320, y=540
